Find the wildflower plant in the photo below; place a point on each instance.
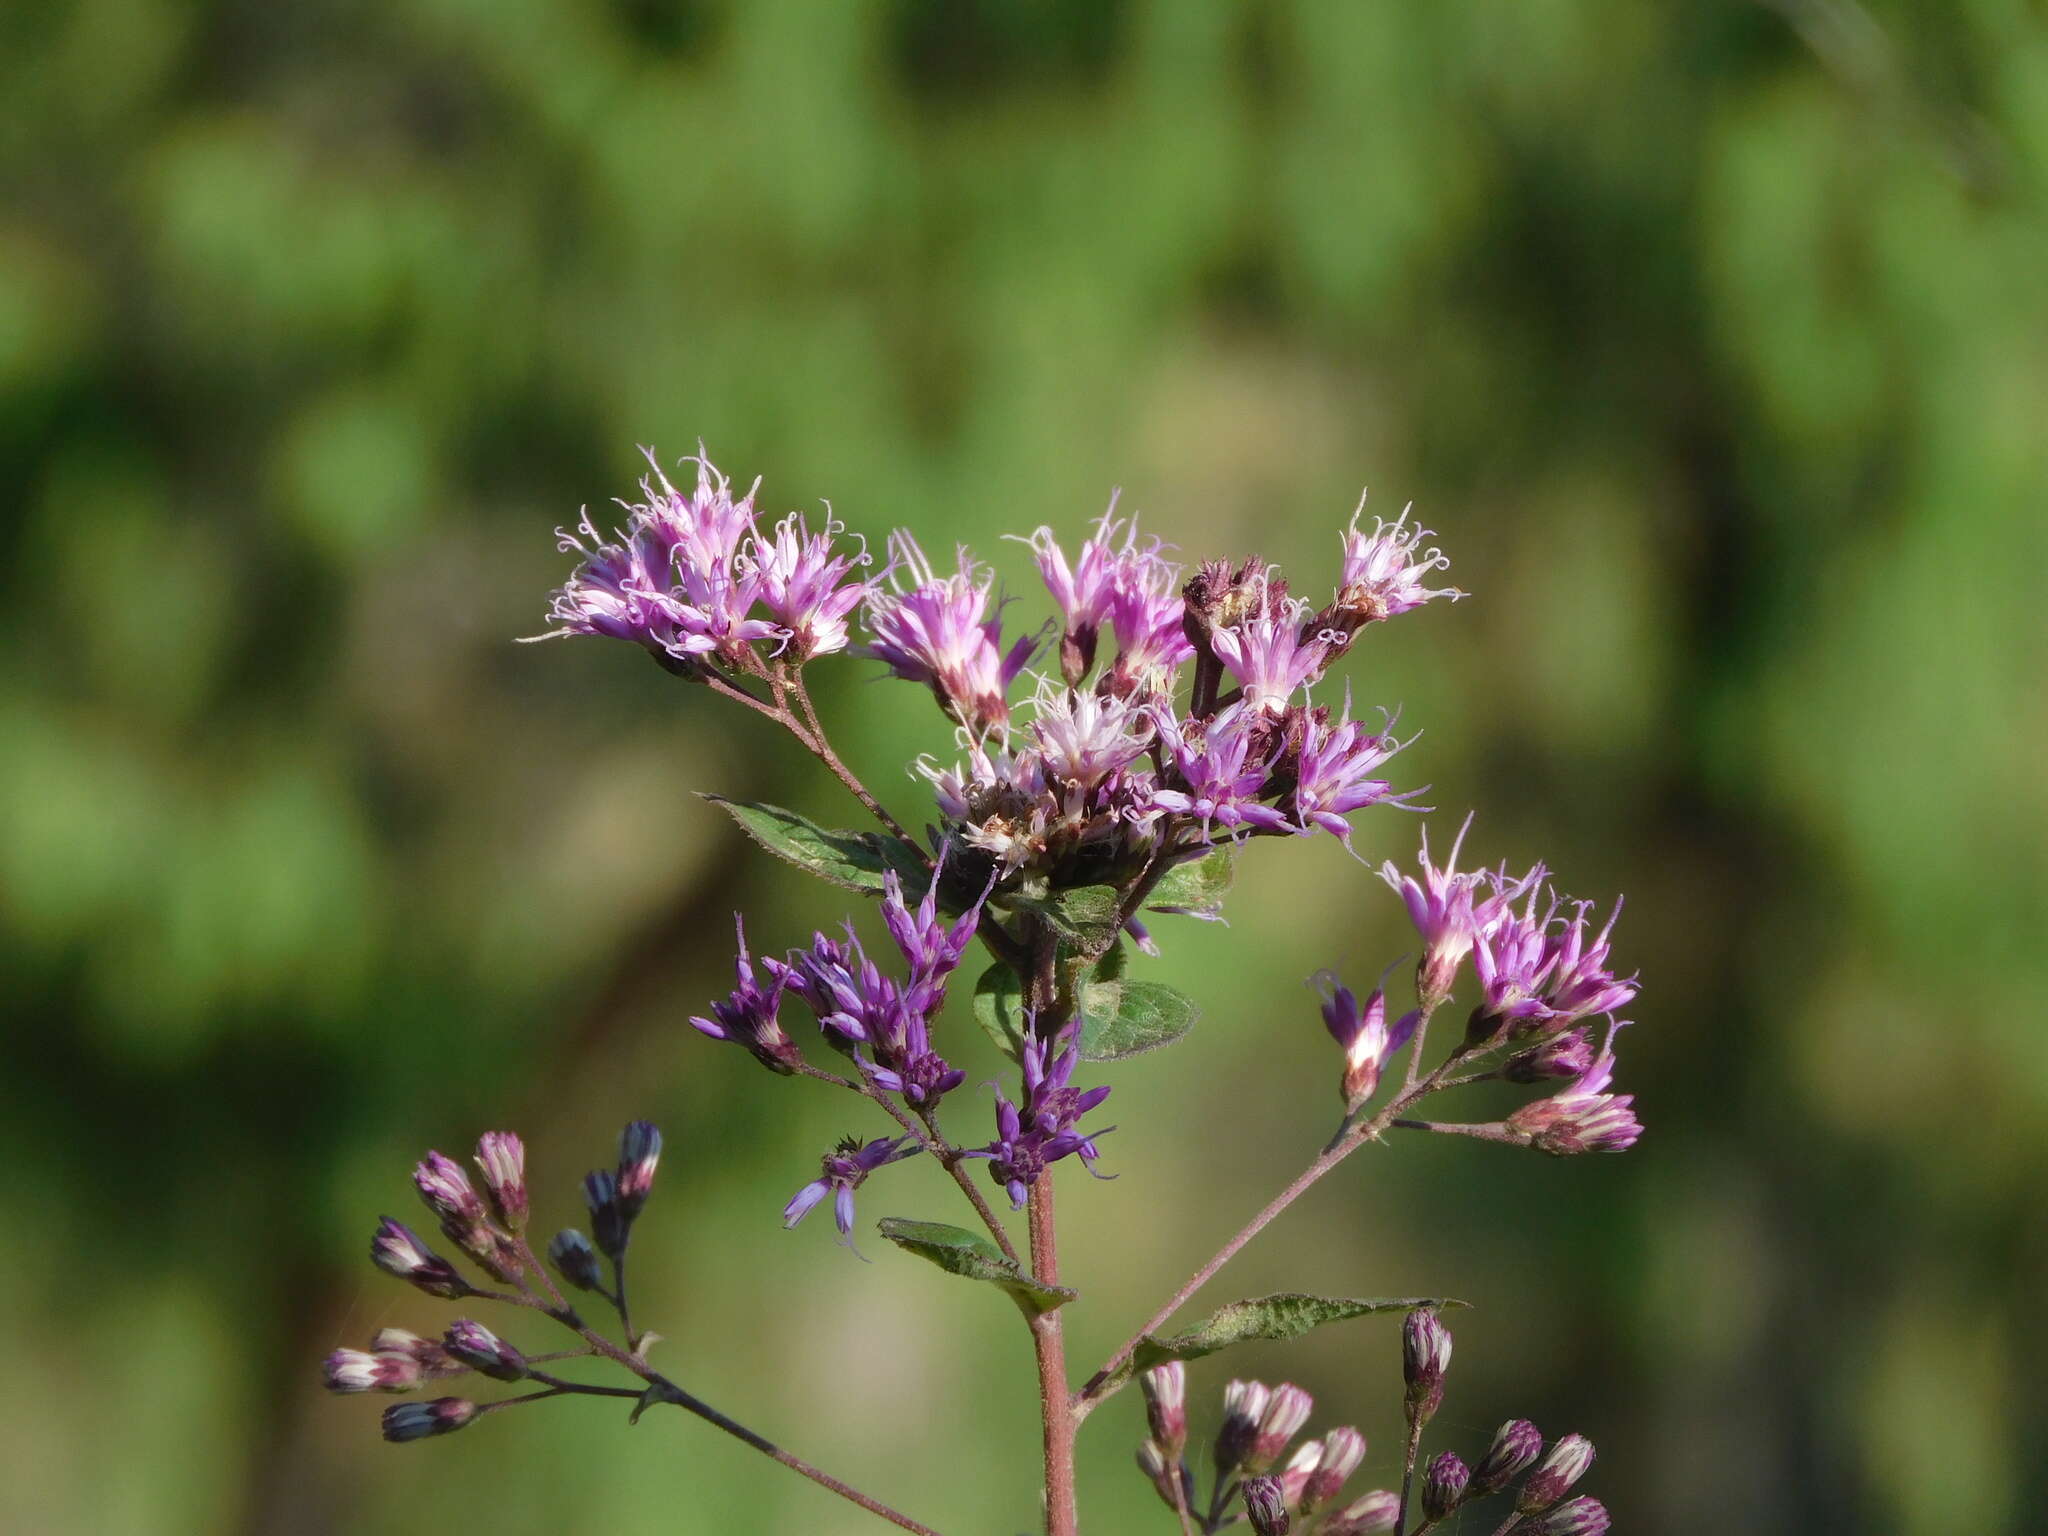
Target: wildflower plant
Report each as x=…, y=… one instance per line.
x=1092, y=778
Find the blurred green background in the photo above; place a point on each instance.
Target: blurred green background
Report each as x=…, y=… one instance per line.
x=1713, y=337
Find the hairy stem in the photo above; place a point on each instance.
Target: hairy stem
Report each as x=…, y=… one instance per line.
x=1409, y=1452
x=1049, y=1344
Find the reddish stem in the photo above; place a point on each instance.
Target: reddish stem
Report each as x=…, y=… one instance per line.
x=1048, y=1340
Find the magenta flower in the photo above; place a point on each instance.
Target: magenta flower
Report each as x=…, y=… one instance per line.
x=1085, y=738
x=620, y=591
x=1440, y=905
x=1580, y=982
x=1334, y=774
x=1362, y=1034
x=934, y=631
x=1384, y=571
x=1217, y=769
x=748, y=1016
x=1583, y=1116
x=842, y=1171
x=803, y=585
x=1268, y=656
x=1514, y=958
x=703, y=530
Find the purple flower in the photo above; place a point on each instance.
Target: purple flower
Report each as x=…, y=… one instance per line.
x=1368, y=1516
x=1287, y=1409
x=639, y=1156
x=447, y=1192
x=1384, y=571
x=1445, y=1486
x=1567, y=1055
x=1362, y=1034
x=416, y=1421
x=1166, y=1411
x=1564, y=1464
x=1582, y=1117
x=1128, y=584
x=1044, y=1129
x=703, y=529
x=1268, y=656
x=621, y=590
x=1516, y=1444
x=574, y=1258
x=930, y=946
x=430, y=1358
x=1265, y=1506
x=1328, y=1466
x=1220, y=768
x=933, y=631
x=800, y=585
x=748, y=1016
x=842, y=1171
x=1334, y=772
x=1514, y=957
x=1244, y=1404
x=1574, y=1517
x=1580, y=982
x=1148, y=615
x=358, y=1370
x=1440, y=905
x=1425, y=1359
x=1081, y=588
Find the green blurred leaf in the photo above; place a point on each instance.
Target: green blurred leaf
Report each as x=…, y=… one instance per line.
x=1259, y=1319
x=855, y=860
x=1129, y=1018
x=1196, y=888
x=998, y=998
x=960, y=1252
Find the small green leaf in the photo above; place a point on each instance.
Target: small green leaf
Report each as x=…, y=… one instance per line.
x=960, y=1252
x=854, y=860
x=1285, y=1315
x=1084, y=915
x=1129, y=1018
x=1196, y=888
x=998, y=1009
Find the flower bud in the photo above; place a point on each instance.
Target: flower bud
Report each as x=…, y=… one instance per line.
x=416, y=1421
x=639, y=1154
x=1336, y=1459
x=1166, y=1389
x=571, y=1254
x=1286, y=1411
x=1266, y=1506
x=483, y=1351
x=502, y=1157
x=358, y=1370
x=427, y=1354
x=1165, y=1471
x=608, y=1224
x=1369, y=1516
x=1425, y=1357
x=1565, y=1464
x=1244, y=1403
x=397, y=1250
x=1443, y=1487
x=1574, y=1517
x=1516, y=1444
x=1567, y=1055
x=446, y=1190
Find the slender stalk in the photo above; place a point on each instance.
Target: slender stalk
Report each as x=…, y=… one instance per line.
x=1348, y=1140
x=1180, y=1500
x=619, y=1300
x=665, y=1390
x=1049, y=1344
x=1489, y=1131
x=1408, y=1457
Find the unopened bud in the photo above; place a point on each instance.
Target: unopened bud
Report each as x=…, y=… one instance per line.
x=397, y=1250
x=1336, y=1459
x=1369, y=1516
x=1244, y=1403
x=1443, y=1487
x=416, y=1421
x=1567, y=1055
x=1166, y=1390
x=447, y=1192
x=483, y=1351
x=358, y=1370
x=1425, y=1357
x=1554, y=1475
x=1516, y=1445
x=1164, y=1471
x=1286, y=1411
x=502, y=1157
x=571, y=1254
x=608, y=1224
x=639, y=1155
x=1574, y=1517
x=1266, y=1506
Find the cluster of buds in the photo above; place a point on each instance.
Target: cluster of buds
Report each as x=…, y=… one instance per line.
x=691, y=579
x=1259, y=1424
x=490, y=1229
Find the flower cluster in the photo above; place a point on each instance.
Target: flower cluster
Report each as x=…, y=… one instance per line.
x=1046, y=1126
x=489, y=1226
x=691, y=578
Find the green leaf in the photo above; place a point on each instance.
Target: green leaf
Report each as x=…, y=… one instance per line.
x=1120, y=1018
x=854, y=860
x=960, y=1252
x=1129, y=1018
x=1196, y=888
x=1084, y=915
x=1285, y=1315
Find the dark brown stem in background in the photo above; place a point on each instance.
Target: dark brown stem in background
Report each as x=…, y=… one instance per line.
x=1048, y=1341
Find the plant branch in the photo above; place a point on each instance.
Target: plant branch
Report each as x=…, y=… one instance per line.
x=1409, y=1453
x=1049, y=1345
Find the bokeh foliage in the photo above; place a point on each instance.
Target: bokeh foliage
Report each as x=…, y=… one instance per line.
x=1715, y=338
